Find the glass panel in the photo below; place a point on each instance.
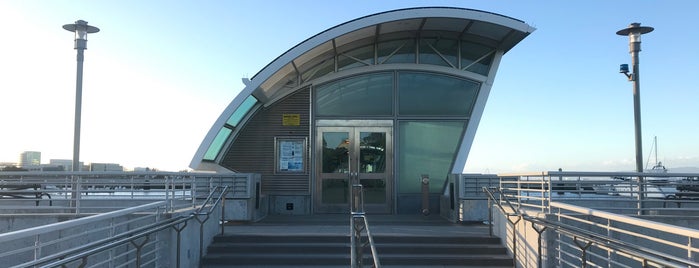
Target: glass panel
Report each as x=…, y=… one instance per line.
x=403, y=51
x=335, y=191
x=217, y=144
x=471, y=52
x=374, y=191
x=431, y=48
x=335, y=149
x=427, y=148
x=372, y=152
x=241, y=111
x=370, y=94
x=348, y=60
x=323, y=68
x=432, y=94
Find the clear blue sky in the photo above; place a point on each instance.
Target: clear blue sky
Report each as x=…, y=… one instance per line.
x=159, y=73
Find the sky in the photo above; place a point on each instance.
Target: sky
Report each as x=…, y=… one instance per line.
x=159, y=73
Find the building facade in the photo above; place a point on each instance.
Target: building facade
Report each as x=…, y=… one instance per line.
x=385, y=100
x=29, y=158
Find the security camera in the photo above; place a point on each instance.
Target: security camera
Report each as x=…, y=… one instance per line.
x=624, y=68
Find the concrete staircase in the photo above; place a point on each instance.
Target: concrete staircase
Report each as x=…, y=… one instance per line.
x=323, y=241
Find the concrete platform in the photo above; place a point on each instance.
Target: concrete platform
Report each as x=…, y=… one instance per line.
x=335, y=224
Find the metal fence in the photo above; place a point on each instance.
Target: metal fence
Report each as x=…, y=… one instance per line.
x=112, y=219
x=97, y=192
x=598, y=219
x=619, y=192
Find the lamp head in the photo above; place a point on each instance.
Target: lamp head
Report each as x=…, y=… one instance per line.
x=634, y=31
x=81, y=29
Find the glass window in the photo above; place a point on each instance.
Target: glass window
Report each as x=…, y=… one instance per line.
x=432, y=94
x=217, y=144
x=372, y=152
x=374, y=191
x=241, y=111
x=439, y=51
x=397, y=51
x=359, y=57
x=370, y=94
x=426, y=148
x=471, y=52
x=335, y=191
x=335, y=148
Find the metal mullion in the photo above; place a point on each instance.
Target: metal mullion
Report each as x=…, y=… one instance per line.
x=440, y=55
x=479, y=59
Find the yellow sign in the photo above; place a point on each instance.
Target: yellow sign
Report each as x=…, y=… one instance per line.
x=291, y=120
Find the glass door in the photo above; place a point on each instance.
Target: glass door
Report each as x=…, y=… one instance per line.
x=347, y=154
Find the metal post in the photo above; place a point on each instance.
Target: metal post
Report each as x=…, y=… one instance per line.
x=81, y=29
x=634, y=48
x=634, y=32
x=78, y=105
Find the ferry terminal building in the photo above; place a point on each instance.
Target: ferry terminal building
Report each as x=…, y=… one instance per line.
x=383, y=99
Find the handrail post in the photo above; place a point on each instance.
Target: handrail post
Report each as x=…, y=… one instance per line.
x=490, y=214
x=544, y=194
x=539, y=231
x=641, y=195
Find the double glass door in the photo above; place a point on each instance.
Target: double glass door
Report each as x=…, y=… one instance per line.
x=354, y=154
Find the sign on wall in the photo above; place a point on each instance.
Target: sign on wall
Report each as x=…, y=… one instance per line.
x=290, y=154
x=291, y=119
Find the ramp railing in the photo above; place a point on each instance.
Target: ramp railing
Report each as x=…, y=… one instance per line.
x=112, y=219
x=577, y=221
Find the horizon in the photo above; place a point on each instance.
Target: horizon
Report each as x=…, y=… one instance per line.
x=155, y=83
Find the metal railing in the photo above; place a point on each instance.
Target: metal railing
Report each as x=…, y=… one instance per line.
x=106, y=239
x=359, y=224
x=620, y=192
x=110, y=218
x=597, y=235
x=98, y=192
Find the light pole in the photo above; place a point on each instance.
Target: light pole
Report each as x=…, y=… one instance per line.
x=634, y=32
x=81, y=29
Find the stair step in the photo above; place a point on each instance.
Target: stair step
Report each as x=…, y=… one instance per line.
x=425, y=244
x=383, y=248
x=345, y=238
x=340, y=259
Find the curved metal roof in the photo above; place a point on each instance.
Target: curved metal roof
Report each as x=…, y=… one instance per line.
x=487, y=28
x=284, y=75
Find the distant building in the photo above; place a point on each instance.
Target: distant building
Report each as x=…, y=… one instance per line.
x=7, y=164
x=29, y=158
x=67, y=164
x=105, y=167
x=49, y=167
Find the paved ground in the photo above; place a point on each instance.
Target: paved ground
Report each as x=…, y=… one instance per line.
x=331, y=224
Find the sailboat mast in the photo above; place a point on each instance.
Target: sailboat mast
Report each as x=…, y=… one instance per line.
x=653, y=148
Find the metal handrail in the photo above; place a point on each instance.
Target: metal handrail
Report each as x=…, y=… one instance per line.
x=618, y=191
x=83, y=193
x=73, y=254
x=112, y=242
x=359, y=223
x=637, y=252
x=83, y=251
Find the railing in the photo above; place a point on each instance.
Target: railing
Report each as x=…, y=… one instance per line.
x=97, y=192
x=577, y=236
x=359, y=224
x=111, y=219
x=620, y=192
